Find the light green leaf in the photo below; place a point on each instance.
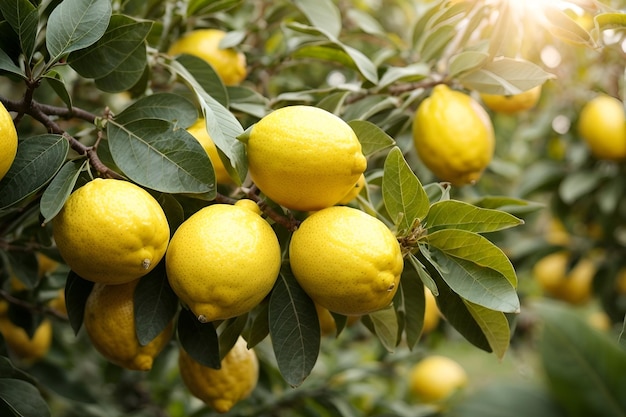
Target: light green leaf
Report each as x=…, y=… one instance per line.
x=366, y=22
x=76, y=24
x=22, y=398
x=403, y=195
x=60, y=188
x=170, y=107
x=564, y=27
x=494, y=325
x=436, y=41
x=372, y=137
x=322, y=14
x=155, y=155
x=208, y=7
x=247, y=100
x=370, y=106
x=579, y=184
x=607, y=21
x=509, y=204
x=384, y=324
x=23, y=18
x=37, y=160
x=466, y=61
x=409, y=73
x=453, y=214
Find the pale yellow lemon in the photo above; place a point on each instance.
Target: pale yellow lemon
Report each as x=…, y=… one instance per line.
x=26, y=348
x=436, y=378
x=432, y=315
x=602, y=125
x=557, y=280
x=511, y=104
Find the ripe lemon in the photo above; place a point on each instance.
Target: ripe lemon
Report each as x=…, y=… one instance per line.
x=110, y=323
x=229, y=64
x=223, y=260
x=436, y=378
x=8, y=141
x=199, y=131
x=602, y=125
x=453, y=136
x=574, y=286
x=346, y=260
x=354, y=191
x=111, y=231
x=326, y=319
x=512, y=104
x=58, y=303
x=432, y=315
x=222, y=388
x=21, y=345
x=304, y=158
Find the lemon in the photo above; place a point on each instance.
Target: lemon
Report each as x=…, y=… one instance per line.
x=223, y=260
x=228, y=63
x=453, y=136
x=354, y=191
x=110, y=324
x=573, y=286
x=304, y=158
x=436, y=378
x=602, y=125
x=8, y=141
x=326, y=319
x=58, y=303
x=512, y=104
x=222, y=388
x=111, y=231
x=199, y=131
x=620, y=281
x=432, y=315
x=346, y=260
x=21, y=345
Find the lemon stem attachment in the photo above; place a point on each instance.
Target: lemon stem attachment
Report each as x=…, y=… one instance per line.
x=202, y=318
x=145, y=264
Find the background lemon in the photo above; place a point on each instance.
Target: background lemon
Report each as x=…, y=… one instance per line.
x=111, y=231
x=223, y=260
x=199, y=131
x=453, y=136
x=346, y=260
x=229, y=64
x=21, y=345
x=432, y=315
x=513, y=103
x=556, y=279
x=222, y=388
x=436, y=378
x=602, y=125
x=304, y=158
x=8, y=141
x=110, y=323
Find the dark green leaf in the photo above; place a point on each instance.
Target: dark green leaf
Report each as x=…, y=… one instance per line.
x=413, y=305
x=260, y=327
x=8, y=370
x=55, y=377
x=229, y=332
x=76, y=24
x=384, y=324
x=60, y=188
x=323, y=14
x=372, y=137
x=155, y=155
x=37, y=161
x=23, y=18
x=403, y=195
x=206, y=77
x=77, y=290
x=23, y=266
x=579, y=184
x=494, y=325
x=453, y=214
x=334, y=102
x=22, y=398
x=170, y=107
x=199, y=339
x=155, y=305
x=294, y=329
x=55, y=81
x=7, y=64
x=369, y=106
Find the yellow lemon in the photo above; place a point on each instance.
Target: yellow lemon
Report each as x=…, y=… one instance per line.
x=453, y=136
x=354, y=191
x=573, y=286
x=58, y=303
x=111, y=231
x=228, y=63
x=436, y=378
x=620, y=281
x=222, y=388
x=21, y=345
x=326, y=319
x=514, y=103
x=346, y=260
x=223, y=260
x=110, y=324
x=432, y=315
x=602, y=125
x=8, y=141
x=304, y=158
x=199, y=131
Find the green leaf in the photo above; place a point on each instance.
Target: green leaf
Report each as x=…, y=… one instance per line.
x=370, y=106
x=373, y=139
x=453, y=214
x=23, y=18
x=585, y=368
x=7, y=64
x=564, y=27
x=229, y=332
x=334, y=102
x=403, y=195
x=199, y=339
x=77, y=290
x=579, y=184
x=170, y=107
x=117, y=60
x=494, y=325
x=76, y=24
x=60, y=188
x=55, y=81
x=436, y=41
x=384, y=324
x=23, y=266
x=322, y=14
x=409, y=73
x=611, y=21
x=155, y=155
x=9, y=370
x=294, y=329
x=155, y=305
x=37, y=160
x=207, y=7
x=206, y=77
x=509, y=204
x=466, y=61
x=23, y=399
x=260, y=327
x=413, y=306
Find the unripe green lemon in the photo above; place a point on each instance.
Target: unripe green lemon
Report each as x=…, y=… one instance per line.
x=8, y=141
x=602, y=125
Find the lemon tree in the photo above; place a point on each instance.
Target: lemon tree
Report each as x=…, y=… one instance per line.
x=235, y=174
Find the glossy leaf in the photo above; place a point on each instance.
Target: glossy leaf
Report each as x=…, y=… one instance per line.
x=206, y=77
x=56, y=82
x=170, y=107
x=229, y=332
x=76, y=24
x=494, y=325
x=155, y=155
x=403, y=194
x=322, y=14
x=260, y=327
x=460, y=215
x=37, y=160
x=22, y=399
x=294, y=329
x=60, y=188
x=199, y=339
x=23, y=18
x=7, y=64
x=384, y=324
x=77, y=290
x=373, y=139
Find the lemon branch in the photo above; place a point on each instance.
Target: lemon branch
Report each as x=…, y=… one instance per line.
x=288, y=222
x=31, y=307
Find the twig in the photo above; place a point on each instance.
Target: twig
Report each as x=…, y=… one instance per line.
x=288, y=222
x=32, y=307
